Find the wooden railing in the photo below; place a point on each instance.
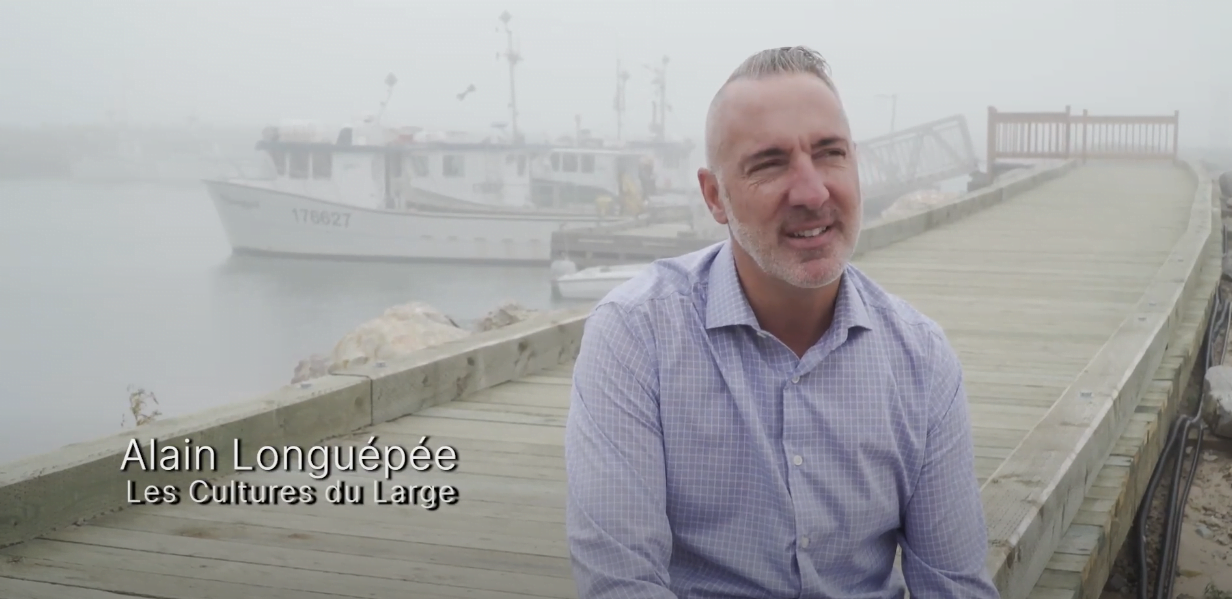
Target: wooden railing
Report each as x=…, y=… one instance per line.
x=1061, y=135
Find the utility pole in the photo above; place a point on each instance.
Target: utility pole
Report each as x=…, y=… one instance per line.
x=513, y=57
x=658, y=124
x=622, y=76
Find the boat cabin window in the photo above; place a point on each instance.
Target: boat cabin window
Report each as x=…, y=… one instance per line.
x=419, y=166
x=588, y=163
x=555, y=162
x=299, y=165
x=322, y=165
x=452, y=166
x=280, y=162
x=569, y=163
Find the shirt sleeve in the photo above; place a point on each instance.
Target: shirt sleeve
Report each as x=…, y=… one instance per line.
x=619, y=537
x=944, y=540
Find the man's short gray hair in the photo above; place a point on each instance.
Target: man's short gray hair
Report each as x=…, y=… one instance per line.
x=767, y=63
x=783, y=61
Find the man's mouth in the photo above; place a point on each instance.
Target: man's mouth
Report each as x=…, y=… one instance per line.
x=807, y=233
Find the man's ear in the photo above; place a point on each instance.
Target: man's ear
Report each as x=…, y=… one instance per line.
x=709, y=183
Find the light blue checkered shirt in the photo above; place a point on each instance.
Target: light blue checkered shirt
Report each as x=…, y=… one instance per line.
x=706, y=460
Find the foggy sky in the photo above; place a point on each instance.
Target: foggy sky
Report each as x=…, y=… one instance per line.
x=251, y=63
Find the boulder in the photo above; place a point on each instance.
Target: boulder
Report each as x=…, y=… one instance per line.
x=399, y=331
x=1217, y=411
x=416, y=310
x=507, y=313
x=312, y=367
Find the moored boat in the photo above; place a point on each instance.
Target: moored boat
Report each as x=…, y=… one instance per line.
x=594, y=283
x=422, y=199
x=366, y=190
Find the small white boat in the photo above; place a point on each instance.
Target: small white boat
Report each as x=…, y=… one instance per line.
x=594, y=283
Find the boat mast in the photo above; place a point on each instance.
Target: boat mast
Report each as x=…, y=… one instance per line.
x=513, y=57
x=658, y=124
x=622, y=76
x=390, y=82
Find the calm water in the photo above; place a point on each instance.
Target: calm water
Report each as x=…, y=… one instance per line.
x=106, y=287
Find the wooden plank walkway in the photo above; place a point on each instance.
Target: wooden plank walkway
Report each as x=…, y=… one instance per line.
x=1082, y=561
x=1028, y=291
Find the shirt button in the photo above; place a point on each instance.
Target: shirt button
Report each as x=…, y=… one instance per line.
x=804, y=542
x=795, y=379
x=797, y=460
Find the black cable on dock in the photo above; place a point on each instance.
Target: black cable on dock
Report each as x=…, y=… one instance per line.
x=1174, y=515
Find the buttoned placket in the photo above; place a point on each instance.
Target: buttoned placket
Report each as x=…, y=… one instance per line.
x=791, y=393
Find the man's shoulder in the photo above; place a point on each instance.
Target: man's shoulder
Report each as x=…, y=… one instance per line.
x=654, y=301
x=930, y=364
x=664, y=284
x=631, y=321
x=899, y=317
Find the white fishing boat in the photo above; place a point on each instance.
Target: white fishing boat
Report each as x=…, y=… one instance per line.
x=594, y=283
x=441, y=198
x=367, y=190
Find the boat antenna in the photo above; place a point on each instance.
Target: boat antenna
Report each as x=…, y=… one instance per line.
x=659, y=106
x=622, y=76
x=390, y=82
x=513, y=57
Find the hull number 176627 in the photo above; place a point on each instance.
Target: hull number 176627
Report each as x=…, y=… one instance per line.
x=326, y=218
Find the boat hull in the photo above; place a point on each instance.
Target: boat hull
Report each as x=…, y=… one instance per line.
x=268, y=221
x=594, y=283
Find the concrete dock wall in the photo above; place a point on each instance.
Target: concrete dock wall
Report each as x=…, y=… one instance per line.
x=84, y=480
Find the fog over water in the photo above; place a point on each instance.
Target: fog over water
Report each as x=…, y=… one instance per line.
x=109, y=284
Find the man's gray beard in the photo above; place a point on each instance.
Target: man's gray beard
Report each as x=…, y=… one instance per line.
x=763, y=255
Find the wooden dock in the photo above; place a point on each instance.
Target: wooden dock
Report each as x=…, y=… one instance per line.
x=1075, y=297
x=602, y=246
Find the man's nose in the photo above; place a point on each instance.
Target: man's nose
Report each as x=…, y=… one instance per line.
x=808, y=184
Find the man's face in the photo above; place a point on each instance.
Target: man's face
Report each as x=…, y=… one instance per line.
x=787, y=183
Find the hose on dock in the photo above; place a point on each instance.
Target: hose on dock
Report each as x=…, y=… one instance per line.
x=1178, y=438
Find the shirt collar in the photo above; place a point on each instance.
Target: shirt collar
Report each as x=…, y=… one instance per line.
x=727, y=305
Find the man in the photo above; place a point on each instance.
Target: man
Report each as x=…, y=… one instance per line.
x=759, y=418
